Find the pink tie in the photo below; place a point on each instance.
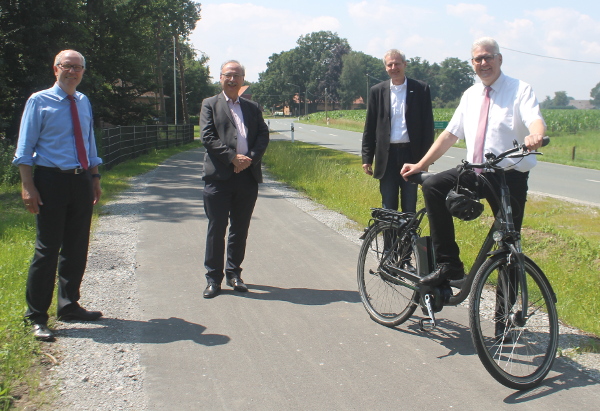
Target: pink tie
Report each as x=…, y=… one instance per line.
x=481, y=126
x=81, y=155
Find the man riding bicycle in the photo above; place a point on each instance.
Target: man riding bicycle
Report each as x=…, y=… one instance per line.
x=491, y=114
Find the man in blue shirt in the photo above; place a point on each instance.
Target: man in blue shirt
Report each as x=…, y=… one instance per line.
x=58, y=162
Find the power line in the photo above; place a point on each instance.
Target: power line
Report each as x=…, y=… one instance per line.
x=548, y=57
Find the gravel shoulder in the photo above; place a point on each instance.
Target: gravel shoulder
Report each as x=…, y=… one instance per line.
x=98, y=364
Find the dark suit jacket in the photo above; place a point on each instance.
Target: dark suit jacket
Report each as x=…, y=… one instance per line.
x=419, y=122
x=219, y=136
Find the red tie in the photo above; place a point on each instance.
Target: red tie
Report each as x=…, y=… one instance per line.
x=481, y=126
x=81, y=155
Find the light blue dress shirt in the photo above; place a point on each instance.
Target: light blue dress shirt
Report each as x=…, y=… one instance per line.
x=46, y=136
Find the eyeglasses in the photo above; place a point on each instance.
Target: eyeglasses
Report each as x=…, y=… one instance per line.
x=67, y=67
x=232, y=75
x=487, y=58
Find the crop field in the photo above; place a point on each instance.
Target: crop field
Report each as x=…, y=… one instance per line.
x=558, y=121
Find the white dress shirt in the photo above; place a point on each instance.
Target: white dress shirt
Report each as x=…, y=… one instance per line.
x=513, y=107
x=238, y=118
x=398, y=131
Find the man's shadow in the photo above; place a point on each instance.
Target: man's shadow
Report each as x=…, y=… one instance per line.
x=302, y=296
x=155, y=331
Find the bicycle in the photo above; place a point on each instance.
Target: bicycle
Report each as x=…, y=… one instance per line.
x=514, y=329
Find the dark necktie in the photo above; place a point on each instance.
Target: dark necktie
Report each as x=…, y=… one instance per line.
x=81, y=155
x=481, y=127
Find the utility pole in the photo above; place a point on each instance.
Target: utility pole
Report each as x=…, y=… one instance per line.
x=326, y=119
x=174, y=83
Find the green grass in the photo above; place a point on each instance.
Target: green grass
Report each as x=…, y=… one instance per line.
x=575, y=134
x=19, y=352
x=562, y=238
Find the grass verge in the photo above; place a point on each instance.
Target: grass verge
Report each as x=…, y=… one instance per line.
x=562, y=238
x=19, y=351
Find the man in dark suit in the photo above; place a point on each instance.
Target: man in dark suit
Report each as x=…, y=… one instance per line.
x=398, y=130
x=235, y=137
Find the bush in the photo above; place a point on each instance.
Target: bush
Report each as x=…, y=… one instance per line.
x=9, y=174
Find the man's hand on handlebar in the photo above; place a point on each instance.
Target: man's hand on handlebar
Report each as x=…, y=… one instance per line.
x=410, y=169
x=534, y=141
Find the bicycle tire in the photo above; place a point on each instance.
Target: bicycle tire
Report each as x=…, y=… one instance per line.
x=518, y=356
x=383, y=295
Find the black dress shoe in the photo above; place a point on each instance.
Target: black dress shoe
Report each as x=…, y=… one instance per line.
x=80, y=314
x=442, y=273
x=237, y=284
x=212, y=290
x=42, y=332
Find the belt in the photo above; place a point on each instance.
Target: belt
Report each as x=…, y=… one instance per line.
x=59, y=170
x=400, y=144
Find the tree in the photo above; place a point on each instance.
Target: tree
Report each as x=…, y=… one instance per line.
x=547, y=104
x=359, y=73
x=309, y=68
x=454, y=77
x=126, y=44
x=322, y=52
x=595, y=95
x=274, y=85
x=560, y=99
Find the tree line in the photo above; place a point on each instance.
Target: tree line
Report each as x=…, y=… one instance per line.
x=324, y=66
x=129, y=46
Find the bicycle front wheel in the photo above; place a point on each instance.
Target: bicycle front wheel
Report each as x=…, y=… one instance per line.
x=389, y=299
x=516, y=344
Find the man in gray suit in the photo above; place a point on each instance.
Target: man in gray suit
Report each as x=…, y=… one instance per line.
x=398, y=130
x=235, y=137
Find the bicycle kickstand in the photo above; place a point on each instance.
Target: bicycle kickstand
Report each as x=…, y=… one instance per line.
x=428, y=324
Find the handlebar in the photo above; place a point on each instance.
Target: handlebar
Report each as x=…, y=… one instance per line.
x=521, y=150
x=518, y=151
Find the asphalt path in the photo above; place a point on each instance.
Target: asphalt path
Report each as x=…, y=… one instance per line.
x=564, y=182
x=300, y=339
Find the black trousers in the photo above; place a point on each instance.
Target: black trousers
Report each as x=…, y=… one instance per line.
x=392, y=184
x=435, y=190
x=228, y=202
x=62, y=239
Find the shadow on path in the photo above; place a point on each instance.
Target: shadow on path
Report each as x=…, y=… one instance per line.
x=155, y=331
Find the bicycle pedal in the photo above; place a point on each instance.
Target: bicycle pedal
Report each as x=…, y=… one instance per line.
x=427, y=324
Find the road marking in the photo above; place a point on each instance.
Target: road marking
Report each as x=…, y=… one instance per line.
x=449, y=156
x=314, y=131
x=335, y=135
x=593, y=181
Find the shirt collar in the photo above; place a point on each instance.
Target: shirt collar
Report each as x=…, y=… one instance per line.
x=227, y=99
x=497, y=85
x=61, y=93
x=398, y=87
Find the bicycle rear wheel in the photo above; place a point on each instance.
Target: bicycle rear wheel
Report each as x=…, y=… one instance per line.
x=517, y=353
x=390, y=300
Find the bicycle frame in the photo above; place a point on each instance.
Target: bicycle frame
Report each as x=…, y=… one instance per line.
x=502, y=234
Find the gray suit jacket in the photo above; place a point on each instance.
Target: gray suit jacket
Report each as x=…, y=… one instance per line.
x=219, y=136
x=419, y=122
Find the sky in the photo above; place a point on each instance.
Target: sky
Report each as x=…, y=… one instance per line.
x=251, y=31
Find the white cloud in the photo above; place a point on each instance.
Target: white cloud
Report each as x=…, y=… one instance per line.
x=432, y=30
x=251, y=33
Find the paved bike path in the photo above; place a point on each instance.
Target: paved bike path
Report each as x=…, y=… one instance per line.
x=300, y=339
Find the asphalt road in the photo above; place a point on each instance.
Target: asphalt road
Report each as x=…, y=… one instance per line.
x=300, y=339
x=564, y=182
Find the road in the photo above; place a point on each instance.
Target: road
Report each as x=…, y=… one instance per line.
x=300, y=339
x=563, y=182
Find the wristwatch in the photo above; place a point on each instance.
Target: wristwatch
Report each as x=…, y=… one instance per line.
x=98, y=176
